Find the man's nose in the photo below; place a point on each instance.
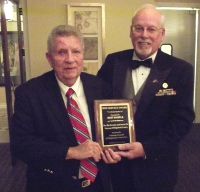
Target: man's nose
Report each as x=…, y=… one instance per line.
x=145, y=32
x=69, y=57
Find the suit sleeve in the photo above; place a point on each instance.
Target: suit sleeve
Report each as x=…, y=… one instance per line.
x=32, y=139
x=174, y=116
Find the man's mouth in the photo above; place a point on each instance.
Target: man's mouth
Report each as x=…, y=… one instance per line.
x=144, y=43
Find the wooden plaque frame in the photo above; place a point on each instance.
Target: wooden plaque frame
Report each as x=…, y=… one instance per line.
x=114, y=122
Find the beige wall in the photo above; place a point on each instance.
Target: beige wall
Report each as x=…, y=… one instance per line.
x=178, y=1
x=40, y=16
x=43, y=15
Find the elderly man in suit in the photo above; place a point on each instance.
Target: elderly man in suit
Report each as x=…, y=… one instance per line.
x=43, y=133
x=162, y=90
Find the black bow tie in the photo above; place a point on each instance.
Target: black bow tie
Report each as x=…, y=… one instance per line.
x=147, y=63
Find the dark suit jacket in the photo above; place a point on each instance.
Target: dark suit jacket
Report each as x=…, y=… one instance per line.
x=41, y=131
x=161, y=122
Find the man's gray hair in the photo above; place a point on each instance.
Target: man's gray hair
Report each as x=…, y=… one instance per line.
x=62, y=31
x=152, y=7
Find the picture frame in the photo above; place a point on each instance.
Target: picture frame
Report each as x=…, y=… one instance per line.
x=13, y=54
x=89, y=18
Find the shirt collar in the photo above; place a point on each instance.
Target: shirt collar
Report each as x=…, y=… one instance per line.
x=152, y=57
x=76, y=86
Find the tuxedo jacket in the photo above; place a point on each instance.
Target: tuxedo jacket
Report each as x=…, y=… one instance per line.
x=41, y=132
x=164, y=114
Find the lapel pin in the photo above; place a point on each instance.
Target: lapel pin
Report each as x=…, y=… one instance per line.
x=155, y=81
x=165, y=85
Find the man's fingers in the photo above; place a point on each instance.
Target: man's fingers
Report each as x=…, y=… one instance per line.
x=104, y=157
x=109, y=156
x=114, y=155
x=123, y=154
x=123, y=147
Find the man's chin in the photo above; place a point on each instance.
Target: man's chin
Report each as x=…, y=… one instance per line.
x=143, y=53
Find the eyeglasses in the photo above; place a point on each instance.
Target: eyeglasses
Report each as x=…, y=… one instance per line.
x=150, y=30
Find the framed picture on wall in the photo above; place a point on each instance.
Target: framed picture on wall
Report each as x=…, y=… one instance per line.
x=13, y=56
x=86, y=21
x=90, y=48
x=89, y=18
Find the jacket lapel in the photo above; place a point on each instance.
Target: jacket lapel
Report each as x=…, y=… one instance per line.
x=157, y=76
x=120, y=74
x=153, y=83
x=56, y=105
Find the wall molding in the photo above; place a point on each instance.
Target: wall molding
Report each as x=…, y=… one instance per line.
x=3, y=106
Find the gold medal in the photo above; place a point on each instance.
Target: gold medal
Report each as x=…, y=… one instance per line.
x=165, y=85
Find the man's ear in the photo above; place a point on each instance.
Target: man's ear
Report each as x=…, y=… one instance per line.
x=163, y=34
x=49, y=58
x=131, y=31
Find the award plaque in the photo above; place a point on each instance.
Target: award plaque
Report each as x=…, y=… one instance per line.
x=114, y=122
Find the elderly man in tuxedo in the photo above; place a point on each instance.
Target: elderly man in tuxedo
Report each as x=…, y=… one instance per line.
x=161, y=87
x=45, y=133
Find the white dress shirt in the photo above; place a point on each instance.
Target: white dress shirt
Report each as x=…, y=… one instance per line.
x=79, y=97
x=140, y=74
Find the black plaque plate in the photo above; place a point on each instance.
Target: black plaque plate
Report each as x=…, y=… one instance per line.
x=114, y=122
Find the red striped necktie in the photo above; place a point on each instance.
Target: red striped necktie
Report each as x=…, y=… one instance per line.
x=88, y=167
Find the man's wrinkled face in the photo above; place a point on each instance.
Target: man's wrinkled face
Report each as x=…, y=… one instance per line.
x=66, y=59
x=146, y=33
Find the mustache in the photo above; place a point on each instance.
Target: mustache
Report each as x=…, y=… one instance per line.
x=144, y=41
